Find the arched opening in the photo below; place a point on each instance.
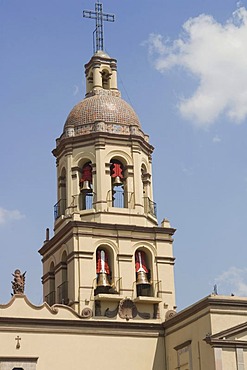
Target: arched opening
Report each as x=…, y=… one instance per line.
x=51, y=297
x=105, y=79
x=90, y=82
x=52, y=284
x=63, y=287
x=18, y=368
x=144, y=176
x=60, y=206
x=143, y=269
x=118, y=184
x=104, y=271
x=86, y=187
x=149, y=205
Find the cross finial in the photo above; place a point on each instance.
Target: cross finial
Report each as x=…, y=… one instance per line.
x=99, y=17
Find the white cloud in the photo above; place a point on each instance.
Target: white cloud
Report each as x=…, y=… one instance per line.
x=216, y=55
x=187, y=170
x=216, y=139
x=239, y=4
x=6, y=216
x=234, y=280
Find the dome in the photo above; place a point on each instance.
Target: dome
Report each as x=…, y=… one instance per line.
x=101, y=112
x=102, y=54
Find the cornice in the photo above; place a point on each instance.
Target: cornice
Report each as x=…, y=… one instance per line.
x=235, y=330
x=182, y=345
x=165, y=260
x=221, y=339
x=66, y=144
x=19, y=359
x=77, y=227
x=99, y=59
x=210, y=302
x=83, y=326
x=225, y=343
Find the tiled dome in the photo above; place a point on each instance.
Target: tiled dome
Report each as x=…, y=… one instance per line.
x=108, y=109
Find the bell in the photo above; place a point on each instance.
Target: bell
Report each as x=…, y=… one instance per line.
x=142, y=278
x=85, y=187
x=103, y=280
x=117, y=181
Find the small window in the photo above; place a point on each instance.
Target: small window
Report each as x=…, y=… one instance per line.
x=18, y=368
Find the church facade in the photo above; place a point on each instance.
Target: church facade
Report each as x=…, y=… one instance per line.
x=108, y=270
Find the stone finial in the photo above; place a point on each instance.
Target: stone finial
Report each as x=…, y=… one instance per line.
x=18, y=283
x=165, y=223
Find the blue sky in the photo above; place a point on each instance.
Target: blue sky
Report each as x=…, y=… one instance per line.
x=182, y=65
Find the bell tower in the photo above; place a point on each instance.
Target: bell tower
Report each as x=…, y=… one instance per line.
x=108, y=257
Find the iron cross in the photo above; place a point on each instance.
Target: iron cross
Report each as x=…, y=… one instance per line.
x=99, y=16
x=18, y=344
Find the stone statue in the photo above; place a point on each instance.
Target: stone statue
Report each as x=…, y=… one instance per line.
x=18, y=284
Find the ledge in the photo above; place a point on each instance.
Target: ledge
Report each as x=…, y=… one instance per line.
x=143, y=299
x=108, y=297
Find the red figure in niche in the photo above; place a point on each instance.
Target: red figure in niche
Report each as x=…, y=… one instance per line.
x=117, y=170
x=140, y=262
x=102, y=265
x=86, y=174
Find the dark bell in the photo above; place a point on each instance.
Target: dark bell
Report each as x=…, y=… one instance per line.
x=117, y=181
x=85, y=187
x=142, y=278
x=103, y=280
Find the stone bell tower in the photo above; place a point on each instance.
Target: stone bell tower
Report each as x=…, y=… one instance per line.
x=108, y=257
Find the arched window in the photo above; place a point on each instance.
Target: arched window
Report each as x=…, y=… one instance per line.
x=117, y=183
x=105, y=79
x=86, y=187
x=63, y=287
x=50, y=299
x=60, y=206
x=144, y=176
x=18, y=368
x=149, y=205
x=145, y=188
x=104, y=271
x=143, y=274
x=90, y=82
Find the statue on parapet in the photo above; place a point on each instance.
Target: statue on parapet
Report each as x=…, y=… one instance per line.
x=18, y=283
